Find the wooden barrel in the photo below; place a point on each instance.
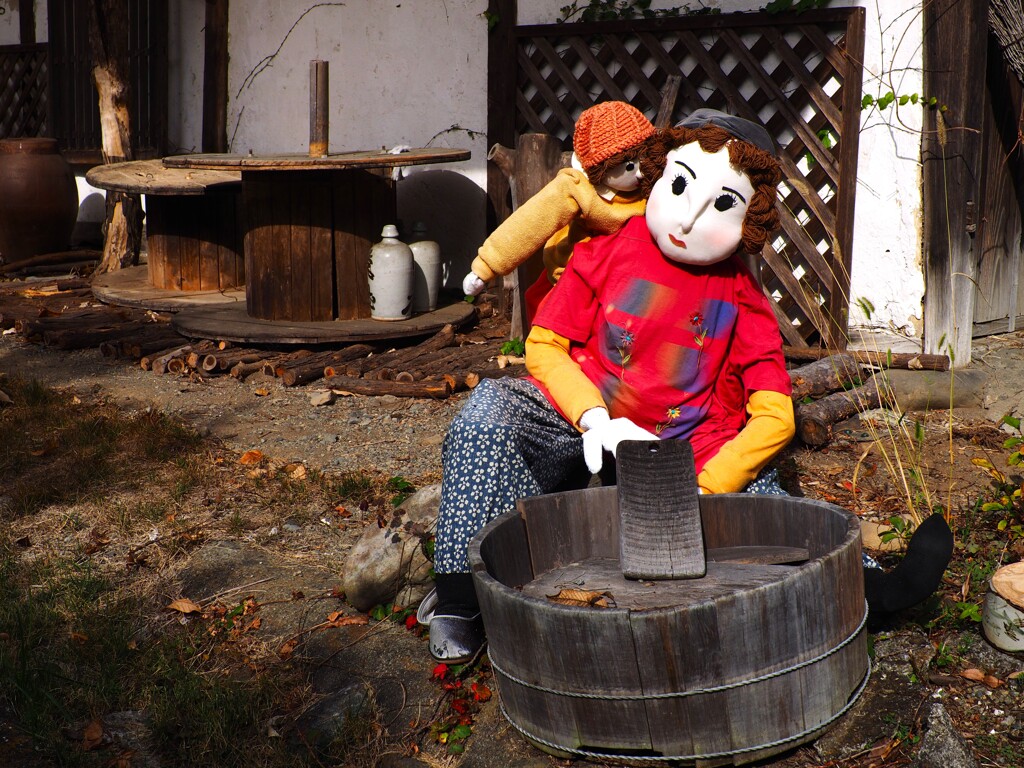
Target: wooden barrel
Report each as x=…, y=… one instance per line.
x=744, y=663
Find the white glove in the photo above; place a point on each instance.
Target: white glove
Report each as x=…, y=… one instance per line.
x=472, y=285
x=603, y=433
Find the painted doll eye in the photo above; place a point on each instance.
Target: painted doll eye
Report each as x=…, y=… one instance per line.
x=630, y=167
x=679, y=184
x=725, y=202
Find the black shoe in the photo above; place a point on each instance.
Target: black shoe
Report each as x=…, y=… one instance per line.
x=917, y=576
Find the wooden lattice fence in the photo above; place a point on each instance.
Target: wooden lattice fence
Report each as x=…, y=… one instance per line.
x=23, y=104
x=799, y=75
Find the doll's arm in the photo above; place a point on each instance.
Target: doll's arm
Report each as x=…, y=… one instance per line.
x=770, y=426
x=548, y=361
x=531, y=225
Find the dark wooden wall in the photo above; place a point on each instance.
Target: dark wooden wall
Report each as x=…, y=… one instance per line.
x=955, y=56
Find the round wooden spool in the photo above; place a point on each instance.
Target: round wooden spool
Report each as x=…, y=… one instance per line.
x=752, y=659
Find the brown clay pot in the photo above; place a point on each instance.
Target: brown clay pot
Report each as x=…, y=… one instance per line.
x=38, y=199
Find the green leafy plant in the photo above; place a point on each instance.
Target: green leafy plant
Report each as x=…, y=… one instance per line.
x=618, y=10
x=401, y=488
x=889, y=98
x=465, y=688
x=795, y=6
x=514, y=346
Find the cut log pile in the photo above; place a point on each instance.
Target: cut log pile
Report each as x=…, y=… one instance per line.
x=836, y=386
x=64, y=314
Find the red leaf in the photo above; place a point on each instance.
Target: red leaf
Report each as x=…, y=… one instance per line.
x=460, y=705
x=410, y=621
x=440, y=672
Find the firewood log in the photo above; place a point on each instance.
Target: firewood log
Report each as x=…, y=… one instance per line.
x=825, y=375
x=880, y=359
x=437, y=390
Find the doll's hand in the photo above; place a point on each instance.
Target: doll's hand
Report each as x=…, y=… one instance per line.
x=472, y=285
x=603, y=433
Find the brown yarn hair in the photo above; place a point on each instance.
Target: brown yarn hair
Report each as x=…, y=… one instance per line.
x=597, y=173
x=760, y=166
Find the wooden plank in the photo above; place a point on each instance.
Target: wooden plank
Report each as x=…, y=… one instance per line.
x=659, y=517
x=258, y=248
x=322, y=281
x=567, y=527
x=849, y=147
x=954, y=66
x=346, y=249
x=188, y=221
x=301, y=261
x=281, y=191
x=152, y=177
x=363, y=159
x=233, y=322
x=215, y=76
x=156, y=242
x=208, y=224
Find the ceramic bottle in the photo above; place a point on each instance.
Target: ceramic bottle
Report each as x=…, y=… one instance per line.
x=426, y=256
x=391, y=277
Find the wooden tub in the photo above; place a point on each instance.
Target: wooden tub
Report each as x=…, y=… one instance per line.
x=744, y=663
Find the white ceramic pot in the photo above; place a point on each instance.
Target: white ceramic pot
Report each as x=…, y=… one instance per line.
x=426, y=255
x=1002, y=617
x=391, y=277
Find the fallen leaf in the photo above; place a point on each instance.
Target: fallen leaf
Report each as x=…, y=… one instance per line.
x=92, y=735
x=255, y=623
x=78, y=637
x=914, y=364
x=584, y=598
x=251, y=457
x=338, y=619
x=295, y=470
x=262, y=392
x=184, y=605
x=286, y=650
x=980, y=677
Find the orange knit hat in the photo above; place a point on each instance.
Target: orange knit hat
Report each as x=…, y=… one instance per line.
x=607, y=129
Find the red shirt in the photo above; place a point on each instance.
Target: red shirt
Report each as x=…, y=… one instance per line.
x=675, y=348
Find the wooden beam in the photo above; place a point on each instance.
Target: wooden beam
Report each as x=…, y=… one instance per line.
x=27, y=21
x=215, y=77
x=955, y=54
x=501, y=93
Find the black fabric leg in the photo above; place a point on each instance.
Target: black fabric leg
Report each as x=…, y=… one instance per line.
x=915, y=579
x=456, y=595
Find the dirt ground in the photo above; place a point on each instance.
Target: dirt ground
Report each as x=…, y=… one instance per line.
x=857, y=470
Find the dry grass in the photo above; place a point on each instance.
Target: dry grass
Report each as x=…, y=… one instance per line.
x=98, y=511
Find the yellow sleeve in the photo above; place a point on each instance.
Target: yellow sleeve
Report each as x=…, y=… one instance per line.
x=770, y=427
x=532, y=224
x=548, y=361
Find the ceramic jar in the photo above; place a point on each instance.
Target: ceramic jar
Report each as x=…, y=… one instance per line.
x=426, y=255
x=38, y=199
x=391, y=277
x=1002, y=616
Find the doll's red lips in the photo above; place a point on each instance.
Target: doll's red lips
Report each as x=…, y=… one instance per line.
x=677, y=242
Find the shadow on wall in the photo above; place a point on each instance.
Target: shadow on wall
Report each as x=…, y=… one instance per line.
x=453, y=208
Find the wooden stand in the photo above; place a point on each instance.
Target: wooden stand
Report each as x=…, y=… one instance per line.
x=194, y=234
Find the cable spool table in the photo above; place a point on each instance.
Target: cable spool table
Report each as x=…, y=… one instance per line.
x=194, y=236
x=308, y=226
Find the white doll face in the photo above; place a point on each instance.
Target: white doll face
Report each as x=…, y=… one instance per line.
x=624, y=177
x=696, y=209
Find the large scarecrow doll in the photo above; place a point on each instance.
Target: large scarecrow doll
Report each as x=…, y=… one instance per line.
x=658, y=331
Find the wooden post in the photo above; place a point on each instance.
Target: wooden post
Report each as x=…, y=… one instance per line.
x=215, y=77
x=318, y=119
x=108, y=36
x=955, y=52
x=532, y=164
x=27, y=22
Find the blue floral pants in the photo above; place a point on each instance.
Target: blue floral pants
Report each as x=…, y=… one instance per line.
x=508, y=443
